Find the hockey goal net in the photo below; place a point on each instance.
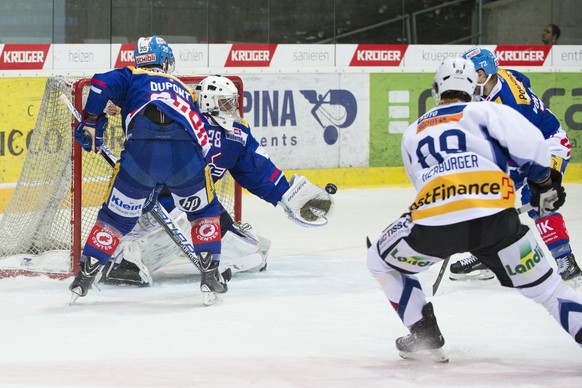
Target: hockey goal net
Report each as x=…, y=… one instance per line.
x=61, y=188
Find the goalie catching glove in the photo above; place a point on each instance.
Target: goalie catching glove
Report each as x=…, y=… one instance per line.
x=548, y=196
x=89, y=132
x=306, y=203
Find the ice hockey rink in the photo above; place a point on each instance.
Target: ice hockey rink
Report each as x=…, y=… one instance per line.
x=315, y=318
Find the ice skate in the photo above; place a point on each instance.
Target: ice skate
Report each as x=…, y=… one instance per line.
x=84, y=278
x=569, y=271
x=212, y=282
x=425, y=341
x=470, y=269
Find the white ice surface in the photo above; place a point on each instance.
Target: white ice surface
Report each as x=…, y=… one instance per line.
x=315, y=318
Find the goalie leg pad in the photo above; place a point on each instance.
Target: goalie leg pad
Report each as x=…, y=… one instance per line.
x=241, y=240
x=240, y=253
x=158, y=250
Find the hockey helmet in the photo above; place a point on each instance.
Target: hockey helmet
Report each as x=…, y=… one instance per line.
x=154, y=51
x=483, y=59
x=218, y=98
x=454, y=74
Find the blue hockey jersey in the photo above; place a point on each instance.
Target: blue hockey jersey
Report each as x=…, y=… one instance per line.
x=514, y=89
x=238, y=152
x=133, y=89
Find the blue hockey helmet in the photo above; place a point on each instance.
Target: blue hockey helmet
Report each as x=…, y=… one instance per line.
x=154, y=51
x=483, y=59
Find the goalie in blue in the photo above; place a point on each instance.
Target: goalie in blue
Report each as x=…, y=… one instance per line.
x=233, y=149
x=165, y=145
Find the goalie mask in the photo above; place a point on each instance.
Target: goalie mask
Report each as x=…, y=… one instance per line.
x=454, y=74
x=218, y=98
x=153, y=51
x=485, y=60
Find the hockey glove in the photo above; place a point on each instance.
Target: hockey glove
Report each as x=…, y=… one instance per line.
x=550, y=197
x=305, y=203
x=89, y=132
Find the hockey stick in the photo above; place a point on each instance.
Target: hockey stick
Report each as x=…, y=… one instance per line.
x=437, y=282
x=524, y=208
x=159, y=213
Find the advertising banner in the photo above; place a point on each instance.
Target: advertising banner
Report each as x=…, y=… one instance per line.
x=562, y=93
x=275, y=58
x=25, y=57
x=307, y=121
x=20, y=100
x=566, y=56
x=75, y=56
x=398, y=99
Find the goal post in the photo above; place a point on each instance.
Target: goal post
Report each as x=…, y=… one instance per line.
x=61, y=187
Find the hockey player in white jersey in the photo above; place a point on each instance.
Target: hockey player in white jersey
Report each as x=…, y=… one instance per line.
x=512, y=88
x=457, y=157
x=235, y=150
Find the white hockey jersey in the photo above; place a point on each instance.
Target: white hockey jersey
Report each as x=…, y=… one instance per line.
x=457, y=155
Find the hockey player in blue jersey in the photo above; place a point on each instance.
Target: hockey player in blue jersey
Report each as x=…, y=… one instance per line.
x=456, y=156
x=233, y=150
x=512, y=88
x=165, y=145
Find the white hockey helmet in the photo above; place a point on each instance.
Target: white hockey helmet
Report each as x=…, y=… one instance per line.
x=218, y=98
x=456, y=74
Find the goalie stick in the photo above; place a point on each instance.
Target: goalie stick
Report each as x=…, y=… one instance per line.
x=159, y=213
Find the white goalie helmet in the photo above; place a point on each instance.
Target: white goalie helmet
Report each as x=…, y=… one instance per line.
x=218, y=98
x=456, y=74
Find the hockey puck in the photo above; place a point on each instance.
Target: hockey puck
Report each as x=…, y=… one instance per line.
x=331, y=188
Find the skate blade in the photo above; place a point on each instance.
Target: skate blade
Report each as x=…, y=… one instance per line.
x=74, y=297
x=483, y=274
x=575, y=283
x=209, y=298
x=433, y=355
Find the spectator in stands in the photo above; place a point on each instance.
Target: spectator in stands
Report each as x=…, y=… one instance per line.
x=551, y=34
